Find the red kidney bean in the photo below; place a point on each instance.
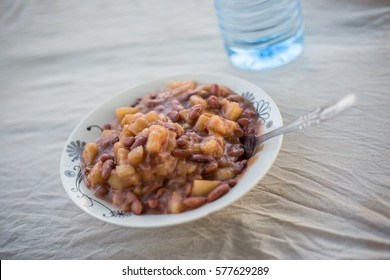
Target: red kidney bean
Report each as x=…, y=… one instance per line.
x=160, y=192
x=174, y=116
x=128, y=141
x=195, y=112
x=130, y=197
x=210, y=167
x=249, y=113
x=172, y=127
x=104, y=143
x=201, y=158
x=232, y=182
x=176, y=105
x=195, y=137
x=107, y=126
x=185, y=96
x=218, y=192
x=235, y=151
x=239, y=166
x=243, y=122
x=152, y=203
x=136, y=207
x=239, y=132
x=212, y=102
x=139, y=141
x=117, y=198
x=125, y=207
x=105, y=157
x=153, y=102
x=179, y=132
x=214, y=89
x=182, y=153
x=182, y=141
x=235, y=98
x=153, y=95
x=101, y=191
x=250, y=131
x=194, y=202
x=204, y=94
x=150, y=188
x=187, y=188
x=107, y=167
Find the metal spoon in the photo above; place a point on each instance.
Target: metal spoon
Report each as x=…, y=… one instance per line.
x=316, y=116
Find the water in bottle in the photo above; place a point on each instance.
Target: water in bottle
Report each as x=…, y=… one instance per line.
x=261, y=34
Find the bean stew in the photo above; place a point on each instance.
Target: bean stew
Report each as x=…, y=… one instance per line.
x=174, y=150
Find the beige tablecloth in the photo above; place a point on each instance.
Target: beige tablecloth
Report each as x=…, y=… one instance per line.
x=326, y=197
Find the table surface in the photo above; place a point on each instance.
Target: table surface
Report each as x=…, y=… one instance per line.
x=327, y=196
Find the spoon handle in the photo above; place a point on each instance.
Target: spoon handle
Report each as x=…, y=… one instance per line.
x=314, y=117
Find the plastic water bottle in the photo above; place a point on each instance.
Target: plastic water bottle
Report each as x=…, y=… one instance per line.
x=261, y=34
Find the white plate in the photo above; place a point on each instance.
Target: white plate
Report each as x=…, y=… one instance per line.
x=89, y=130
